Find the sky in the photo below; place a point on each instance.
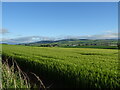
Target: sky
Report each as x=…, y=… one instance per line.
x=34, y=21
x=60, y=0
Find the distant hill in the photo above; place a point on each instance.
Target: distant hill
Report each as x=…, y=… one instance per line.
x=74, y=42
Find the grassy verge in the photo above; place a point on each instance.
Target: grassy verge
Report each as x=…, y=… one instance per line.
x=12, y=78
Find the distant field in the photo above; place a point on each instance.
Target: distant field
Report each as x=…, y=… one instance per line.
x=77, y=67
x=100, y=47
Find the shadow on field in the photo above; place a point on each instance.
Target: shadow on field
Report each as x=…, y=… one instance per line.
x=36, y=82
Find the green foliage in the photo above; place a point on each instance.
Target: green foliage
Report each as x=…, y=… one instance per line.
x=77, y=67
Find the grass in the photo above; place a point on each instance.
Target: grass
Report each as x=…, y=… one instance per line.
x=76, y=67
x=99, y=47
x=12, y=78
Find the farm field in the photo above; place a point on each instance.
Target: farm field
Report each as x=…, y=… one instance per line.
x=100, y=47
x=76, y=67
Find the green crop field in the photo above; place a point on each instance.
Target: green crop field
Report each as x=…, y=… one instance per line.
x=77, y=67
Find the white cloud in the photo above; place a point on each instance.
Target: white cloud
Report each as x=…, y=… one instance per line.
x=100, y=36
x=105, y=36
x=30, y=39
x=108, y=31
x=27, y=39
x=3, y=31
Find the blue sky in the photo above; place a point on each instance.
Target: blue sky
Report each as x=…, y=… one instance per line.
x=60, y=0
x=57, y=20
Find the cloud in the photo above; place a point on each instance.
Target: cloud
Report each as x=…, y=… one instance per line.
x=101, y=36
x=108, y=35
x=30, y=39
x=3, y=31
x=27, y=39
